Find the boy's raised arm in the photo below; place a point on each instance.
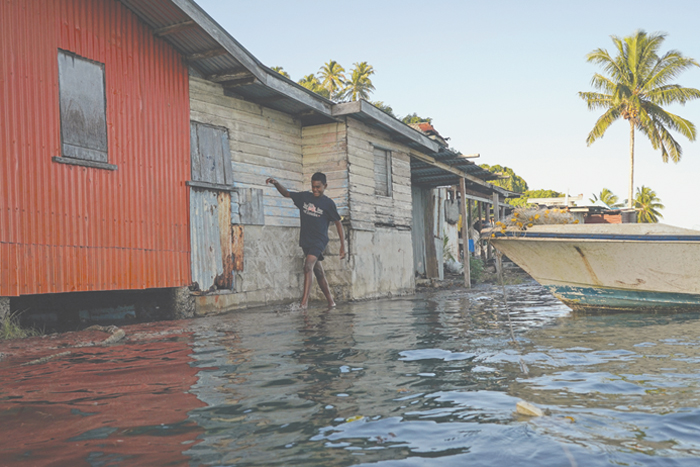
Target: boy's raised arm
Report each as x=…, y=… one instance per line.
x=283, y=191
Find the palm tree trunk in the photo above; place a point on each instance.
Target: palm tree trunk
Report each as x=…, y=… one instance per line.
x=630, y=198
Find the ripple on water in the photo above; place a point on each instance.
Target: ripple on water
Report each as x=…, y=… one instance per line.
x=405, y=382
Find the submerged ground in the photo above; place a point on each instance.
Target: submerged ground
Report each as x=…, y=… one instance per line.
x=426, y=380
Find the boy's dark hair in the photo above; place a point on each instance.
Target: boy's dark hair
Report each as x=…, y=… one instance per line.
x=319, y=177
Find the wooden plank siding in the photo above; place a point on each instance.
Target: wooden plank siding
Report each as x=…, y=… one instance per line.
x=325, y=150
x=366, y=208
x=263, y=142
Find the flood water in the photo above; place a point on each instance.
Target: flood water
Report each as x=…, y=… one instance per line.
x=427, y=380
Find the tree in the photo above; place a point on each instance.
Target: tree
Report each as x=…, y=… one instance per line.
x=332, y=77
x=648, y=205
x=512, y=183
x=636, y=88
x=281, y=71
x=414, y=118
x=607, y=197
x=312, y=83
x=359, y=86
x=522, y=201
x=386, y=108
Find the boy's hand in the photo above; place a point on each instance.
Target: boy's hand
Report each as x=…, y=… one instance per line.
x=271, y=181
x=342, y=251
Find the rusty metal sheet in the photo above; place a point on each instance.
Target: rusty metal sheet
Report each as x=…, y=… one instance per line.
x=225, y=279
x=70, y=228
x=237, y=247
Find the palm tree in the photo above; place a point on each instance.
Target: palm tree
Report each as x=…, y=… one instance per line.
x=281, y=71
x=607, y=197
x=332, y=78
x=648, y=205
x=312, y=83
x=360, y=85
x=637, y=86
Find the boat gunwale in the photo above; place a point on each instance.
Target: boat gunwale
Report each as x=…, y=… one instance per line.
x=524, y=235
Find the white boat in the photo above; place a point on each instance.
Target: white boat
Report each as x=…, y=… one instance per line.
x=594, y=267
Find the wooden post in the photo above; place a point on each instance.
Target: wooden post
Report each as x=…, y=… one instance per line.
x=465, y=234
x=496, y=218
x=482, y=250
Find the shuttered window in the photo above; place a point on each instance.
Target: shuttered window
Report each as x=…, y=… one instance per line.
x=211, y=155
x=382, y=172
x=83, y=107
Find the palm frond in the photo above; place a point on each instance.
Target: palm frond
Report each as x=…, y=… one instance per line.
x=602, y=124
x=596, y=100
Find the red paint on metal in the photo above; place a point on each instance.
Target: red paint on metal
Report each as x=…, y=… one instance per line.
x=66, y=228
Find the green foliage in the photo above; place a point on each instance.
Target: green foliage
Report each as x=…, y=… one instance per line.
x=312, y=83
x=386, y=108
x=648, y=204
x=607, y=197
x=513, y=183
x=10, y=328
x=359, y=86
x=281, y=71
x=637, y=85
x=332, y=77
x=522, y=201
x=414, y=118
x=476, y=269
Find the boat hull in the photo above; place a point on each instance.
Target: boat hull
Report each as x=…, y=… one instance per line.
x=611, y=267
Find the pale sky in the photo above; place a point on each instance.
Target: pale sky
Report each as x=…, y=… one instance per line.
x=499, y=78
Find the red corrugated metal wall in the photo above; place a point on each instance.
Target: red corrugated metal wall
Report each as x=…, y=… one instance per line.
x=66, y=228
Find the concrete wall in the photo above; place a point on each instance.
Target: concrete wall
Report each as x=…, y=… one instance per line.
x=381, y=263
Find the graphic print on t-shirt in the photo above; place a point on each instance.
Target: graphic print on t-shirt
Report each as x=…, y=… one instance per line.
x=311, y=210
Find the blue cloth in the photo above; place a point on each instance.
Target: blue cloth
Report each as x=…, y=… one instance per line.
x=316, y=214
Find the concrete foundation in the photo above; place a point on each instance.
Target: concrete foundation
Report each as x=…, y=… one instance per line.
x=182, y=302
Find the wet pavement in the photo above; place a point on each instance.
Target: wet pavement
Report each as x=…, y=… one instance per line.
x=425, y=380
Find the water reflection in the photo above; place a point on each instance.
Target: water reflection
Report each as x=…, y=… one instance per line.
x=419, y=381
x=116, y=405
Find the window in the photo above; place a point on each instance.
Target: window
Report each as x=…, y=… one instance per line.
x=83, y=107
x=211, y=156
x=382, y=172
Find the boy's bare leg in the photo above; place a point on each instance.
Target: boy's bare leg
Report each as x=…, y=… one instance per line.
x=323, y=283
x=309, y=264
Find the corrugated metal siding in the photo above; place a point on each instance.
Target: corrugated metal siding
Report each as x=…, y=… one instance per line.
x=69, y=228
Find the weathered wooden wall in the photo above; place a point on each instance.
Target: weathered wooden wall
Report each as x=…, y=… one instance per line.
x=324, y=149
x=368, y=210
x=381, y=254
x=264, y=143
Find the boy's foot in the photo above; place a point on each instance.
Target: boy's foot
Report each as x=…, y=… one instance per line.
x=331, y=305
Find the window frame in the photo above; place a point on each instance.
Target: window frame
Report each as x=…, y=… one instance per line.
x=389, y=170
x=68, y=140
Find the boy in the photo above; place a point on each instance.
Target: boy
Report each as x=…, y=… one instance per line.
x=317, y=211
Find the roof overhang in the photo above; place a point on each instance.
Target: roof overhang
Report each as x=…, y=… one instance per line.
x=216, y=56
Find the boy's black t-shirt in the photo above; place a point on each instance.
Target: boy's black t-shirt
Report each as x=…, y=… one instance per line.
x=316, y=214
